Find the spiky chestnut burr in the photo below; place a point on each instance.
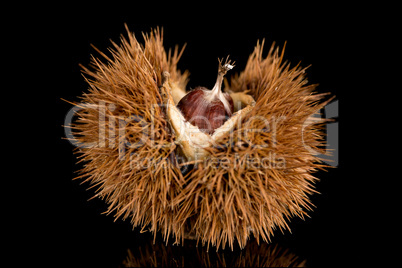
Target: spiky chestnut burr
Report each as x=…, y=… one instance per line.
x=249, y=177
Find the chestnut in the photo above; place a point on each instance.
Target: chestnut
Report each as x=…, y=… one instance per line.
x=208, y=109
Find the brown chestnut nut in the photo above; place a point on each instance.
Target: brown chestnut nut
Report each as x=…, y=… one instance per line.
x=208, y=109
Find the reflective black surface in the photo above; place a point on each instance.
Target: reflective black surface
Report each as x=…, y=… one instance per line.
x=96, y=240
x=253, y=255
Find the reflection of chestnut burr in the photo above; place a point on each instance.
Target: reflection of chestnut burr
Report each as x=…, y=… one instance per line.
x=243, y=168
x=253, y=255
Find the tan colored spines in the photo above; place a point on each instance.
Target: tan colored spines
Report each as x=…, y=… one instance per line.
x=220, y=202
x=121, y=109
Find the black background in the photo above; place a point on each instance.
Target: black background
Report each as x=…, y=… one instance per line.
x=321, y=36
